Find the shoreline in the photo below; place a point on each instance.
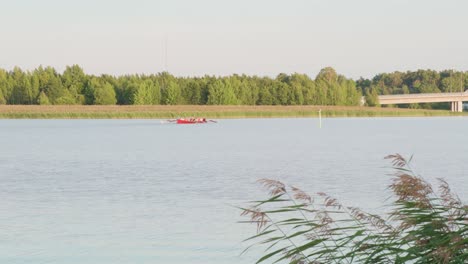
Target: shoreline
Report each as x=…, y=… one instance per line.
x=208, y=111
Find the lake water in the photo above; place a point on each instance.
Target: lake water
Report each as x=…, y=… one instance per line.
x=139, y=191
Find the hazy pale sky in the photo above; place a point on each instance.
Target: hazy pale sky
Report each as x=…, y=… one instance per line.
x=220, y=37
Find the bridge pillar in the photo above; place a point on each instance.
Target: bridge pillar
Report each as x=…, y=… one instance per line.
x=457, y=106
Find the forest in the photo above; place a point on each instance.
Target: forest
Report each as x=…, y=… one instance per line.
x=44, y=86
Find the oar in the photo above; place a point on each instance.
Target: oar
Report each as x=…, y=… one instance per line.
x=171, y=120
x=213, y=121
x=166, y=121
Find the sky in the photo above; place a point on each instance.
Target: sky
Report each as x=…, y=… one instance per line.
x=359, y=38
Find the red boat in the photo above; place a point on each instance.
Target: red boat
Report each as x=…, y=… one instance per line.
x=191, y=121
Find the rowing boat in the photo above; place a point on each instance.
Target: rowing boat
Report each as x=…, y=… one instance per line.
x=191, y=121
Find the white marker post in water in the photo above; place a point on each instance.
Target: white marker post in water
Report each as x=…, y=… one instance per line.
x=320, y=118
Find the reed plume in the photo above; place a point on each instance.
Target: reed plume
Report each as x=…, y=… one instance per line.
x=422, y=226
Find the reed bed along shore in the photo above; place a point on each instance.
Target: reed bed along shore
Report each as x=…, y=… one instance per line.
x=169, y=111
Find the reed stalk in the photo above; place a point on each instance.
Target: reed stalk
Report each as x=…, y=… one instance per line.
x=423, y=225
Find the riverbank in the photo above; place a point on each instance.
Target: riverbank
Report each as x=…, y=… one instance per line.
x=169, y=111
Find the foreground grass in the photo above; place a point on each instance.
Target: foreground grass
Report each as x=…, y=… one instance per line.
x=166, y=111
x=423, y=225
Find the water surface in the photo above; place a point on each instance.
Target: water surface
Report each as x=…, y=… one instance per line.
x=139, y=191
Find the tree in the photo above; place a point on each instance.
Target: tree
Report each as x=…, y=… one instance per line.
x=405, y=90
x=328, y=74
x=229, y=97
x=43, y=99
x=66, y=99
x=172, y=93
x=21, y=93
x=354, y=95
x=2, y=98
x=73, y=86
x=221, y=93
x=371, y=97
x=146, y=93
x=170, y=89
x=299, y=88
x=50, y=83
x=265, y=97
x=215, y=93
x=102, y=92
x=193, y=92
x=281, y=89
x=104, y=95
x=35, y=88
x=74, y=80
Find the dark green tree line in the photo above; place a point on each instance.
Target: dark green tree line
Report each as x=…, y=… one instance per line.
x=45, y=85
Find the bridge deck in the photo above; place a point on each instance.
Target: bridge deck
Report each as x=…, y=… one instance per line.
x=423, y=98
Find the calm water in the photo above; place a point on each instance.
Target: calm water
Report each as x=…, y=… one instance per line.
x=138, y=191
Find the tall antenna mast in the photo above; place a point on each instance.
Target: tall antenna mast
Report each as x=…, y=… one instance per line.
x=165, y=53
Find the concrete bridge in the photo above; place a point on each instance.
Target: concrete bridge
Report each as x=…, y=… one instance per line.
x=456, y=99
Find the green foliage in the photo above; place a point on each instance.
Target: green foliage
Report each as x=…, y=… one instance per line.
x=2, y=98
x=66, y=99
x=371, y=97
x=88, y=91
x=172, y=93
x=423, y=226
x=420, y=81
x=21, y=88
x=193, y=92
x=43, y=99
x=147, y=93
x=327, y=74
x=104, y=95
x=221, y=93
x=50, y=83
x=102, y=92
x=74, y=81
x=73, y=86
x=169, y=88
